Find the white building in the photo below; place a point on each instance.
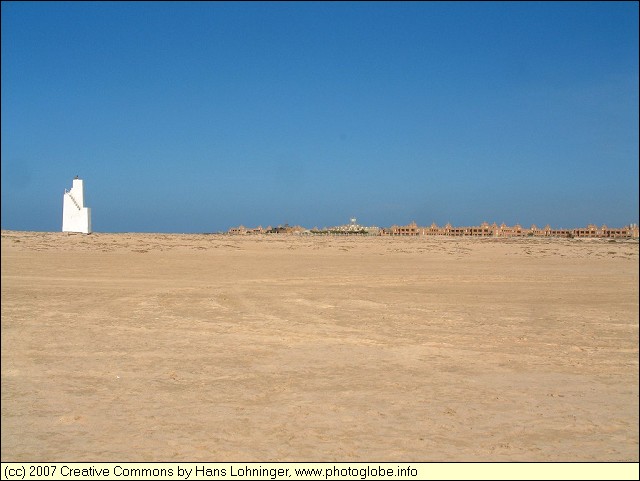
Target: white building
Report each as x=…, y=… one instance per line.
x=75, y=216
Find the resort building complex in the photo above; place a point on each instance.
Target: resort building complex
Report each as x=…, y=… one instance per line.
x=493, y=230
x=483, y=230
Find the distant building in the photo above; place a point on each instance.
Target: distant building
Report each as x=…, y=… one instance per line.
x=405, y=230
x=75, y=216
x=240, y=230
x=352, y=228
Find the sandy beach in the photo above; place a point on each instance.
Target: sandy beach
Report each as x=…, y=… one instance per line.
x=160, y=347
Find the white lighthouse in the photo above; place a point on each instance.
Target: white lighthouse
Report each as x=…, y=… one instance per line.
x=75, y=216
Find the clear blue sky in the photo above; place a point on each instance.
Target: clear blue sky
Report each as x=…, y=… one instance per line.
x=194, y=117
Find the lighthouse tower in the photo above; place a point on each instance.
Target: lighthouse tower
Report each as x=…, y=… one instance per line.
x=75, y=216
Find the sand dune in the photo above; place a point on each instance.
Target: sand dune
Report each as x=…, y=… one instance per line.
x=152, y=347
